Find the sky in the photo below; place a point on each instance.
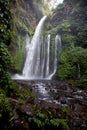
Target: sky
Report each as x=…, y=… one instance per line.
x=54, y=3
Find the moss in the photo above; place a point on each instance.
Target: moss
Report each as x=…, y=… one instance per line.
x=19, y=54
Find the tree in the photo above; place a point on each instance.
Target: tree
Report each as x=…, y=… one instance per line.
x=5, y=36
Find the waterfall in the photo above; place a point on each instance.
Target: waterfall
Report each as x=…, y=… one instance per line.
x=38, y=60
x=78, y=71
x=56, y=54
x=27, y=45
x=57, y=51
x=48, y=56
x=32, y=66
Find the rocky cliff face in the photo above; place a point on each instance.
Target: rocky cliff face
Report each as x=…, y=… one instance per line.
x=25, y=15
x=70, y=21
x=70, y=10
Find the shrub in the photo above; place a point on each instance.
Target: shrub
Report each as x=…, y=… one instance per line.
x=6, y=115
x=44, y=120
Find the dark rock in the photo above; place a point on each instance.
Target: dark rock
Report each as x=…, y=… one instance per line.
x=26, y=109
x=13, y=101
x=63, y=100
x=16, y=118
x=59, y=92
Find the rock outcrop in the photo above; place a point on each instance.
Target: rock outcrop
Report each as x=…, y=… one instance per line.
x=66, y=102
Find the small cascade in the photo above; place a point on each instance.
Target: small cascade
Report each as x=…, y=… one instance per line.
x=48, y=56
x=56, y=54
x=38, y=63
x=57, y=50
x=27, y=43
x=58, y=39
x=78, y=71
x=19, y=46
x=41, y=92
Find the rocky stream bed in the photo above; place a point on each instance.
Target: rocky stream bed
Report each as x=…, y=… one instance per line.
x=53, y=95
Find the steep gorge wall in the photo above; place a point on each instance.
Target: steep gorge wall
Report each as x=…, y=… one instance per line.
x=70, y=21
x=25, y=15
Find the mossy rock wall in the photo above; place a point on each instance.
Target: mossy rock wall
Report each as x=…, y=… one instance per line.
x=25, y=16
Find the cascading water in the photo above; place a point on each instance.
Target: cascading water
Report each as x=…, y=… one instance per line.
x=37, y=62
x=27, y=46
x=32, y=66
x=56, y=54
x=48, y=56
x=27, y=43
x=57, y=50
x=78, y=71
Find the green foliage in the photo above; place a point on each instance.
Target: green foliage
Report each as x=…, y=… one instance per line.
x=65, y=26
x=5, y=63
x=5, y=58
x=25, y=94
x=68, y=40
x=65, y=69
x=5, y=106
x=5, y=30
x=78, y=29
x=68, y=62
x=43, y=7
x=5, y=22
x=19, y=22
x=78, y=55
x=45, y=120
x=61, y=123
x=83, y=83
x=5, y=37
x=64, y=109
x=19, y=53
x=69, y=20
x=6, y=115
x=6, y=84
x=39, y=119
